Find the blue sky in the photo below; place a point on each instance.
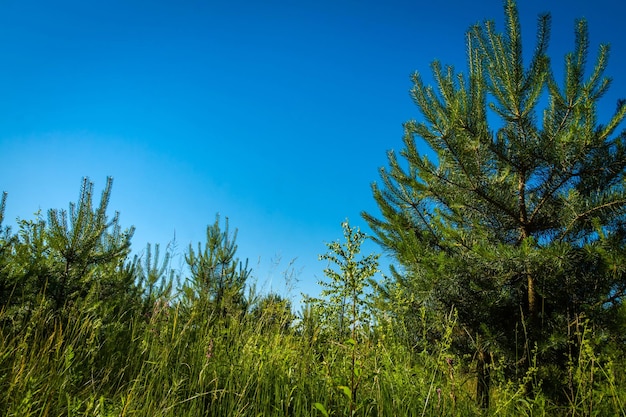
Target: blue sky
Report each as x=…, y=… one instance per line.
x=276, y=114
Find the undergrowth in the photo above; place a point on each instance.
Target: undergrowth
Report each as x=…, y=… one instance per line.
x=184, y=363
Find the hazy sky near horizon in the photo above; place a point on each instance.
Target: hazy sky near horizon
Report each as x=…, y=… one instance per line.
x=276, y=114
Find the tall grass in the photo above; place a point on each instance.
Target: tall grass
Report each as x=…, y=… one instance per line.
x=183, y=362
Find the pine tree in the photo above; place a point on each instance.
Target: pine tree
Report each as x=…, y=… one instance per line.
x=86, y=243
x=155, y=277
x=218, y=277
x=518, y=223
x=69, y=259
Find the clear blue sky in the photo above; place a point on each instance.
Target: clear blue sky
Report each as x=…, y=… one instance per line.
x=274, y=113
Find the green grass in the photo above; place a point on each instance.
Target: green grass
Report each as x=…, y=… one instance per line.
x=183, y=363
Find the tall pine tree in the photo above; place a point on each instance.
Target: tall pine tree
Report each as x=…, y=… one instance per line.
x=518, y=222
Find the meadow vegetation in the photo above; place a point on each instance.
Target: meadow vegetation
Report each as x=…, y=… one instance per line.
x=88, y=330
x=505, y=295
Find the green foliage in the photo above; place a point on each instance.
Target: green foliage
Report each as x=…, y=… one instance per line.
x=155, y=278
x=87, y=241
x=273, y=312
x=6, y=248
x=185, y=366
x=343, y=306
x=217, y=276
x=76, y=257
x=149, y=351
x=509, y=287
x=519, y=222
x=345, y=312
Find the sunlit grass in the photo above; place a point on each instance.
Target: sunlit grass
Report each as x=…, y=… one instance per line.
x=183, y=363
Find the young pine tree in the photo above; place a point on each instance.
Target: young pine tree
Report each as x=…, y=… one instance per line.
x=155, y=277
x=218, y=278
x=518, y=223
x=77, y=254
x=90, y=249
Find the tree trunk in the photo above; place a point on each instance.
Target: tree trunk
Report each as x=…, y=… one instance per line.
x=533, y=311
x=483, y=382
x=533, y=308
